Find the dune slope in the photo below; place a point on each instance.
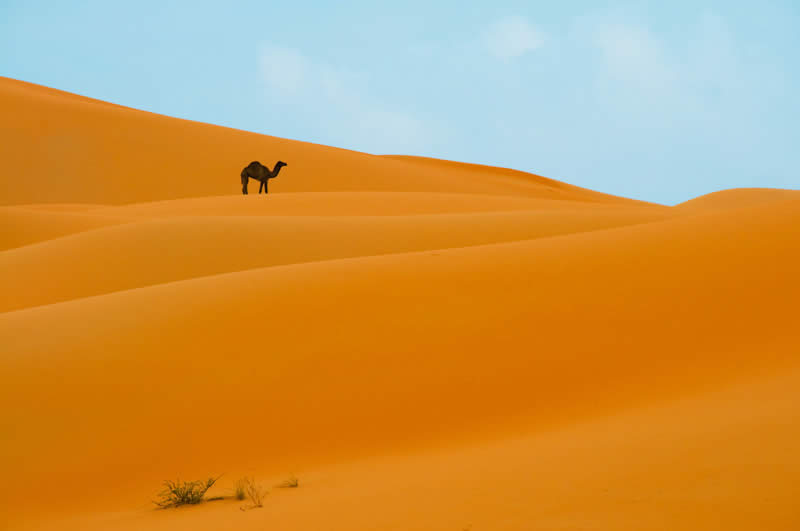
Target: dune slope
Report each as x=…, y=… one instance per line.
x=168, y=249
x=426, y=344
x=72, y=149
x=665, y=467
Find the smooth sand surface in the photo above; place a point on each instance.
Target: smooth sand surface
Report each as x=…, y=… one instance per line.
x=426, y=344
x=736, y=198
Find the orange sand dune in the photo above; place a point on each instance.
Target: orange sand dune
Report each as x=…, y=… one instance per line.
x=737, y=198
x=426, y=344
x=190, y=247
x=26, y=224
x=358, y=203
x=677, y=466
x=23, y=226
x=393, y=351
x=554, y=189
x=87, y=151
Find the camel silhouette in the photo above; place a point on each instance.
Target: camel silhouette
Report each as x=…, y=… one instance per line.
x=259, y=172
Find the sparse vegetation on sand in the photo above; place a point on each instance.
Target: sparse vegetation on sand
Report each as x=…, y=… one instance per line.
x=291, y=483
x=177, y=492
x=248, y=487
x=239, y=489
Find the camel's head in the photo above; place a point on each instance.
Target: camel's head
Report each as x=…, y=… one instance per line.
x=281, y=164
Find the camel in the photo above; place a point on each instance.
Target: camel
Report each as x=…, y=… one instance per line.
x=259, y=172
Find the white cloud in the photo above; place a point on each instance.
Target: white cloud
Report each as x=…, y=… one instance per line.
x=687, y=75
x=338, y=104
x=285, y=70
x=632, y=54
x=657, y=84
x=396, y=130
x=512, y=37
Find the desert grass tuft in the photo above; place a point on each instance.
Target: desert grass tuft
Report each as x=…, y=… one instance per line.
x=240, y=489
x=177, y=493
x=291, y=483
x=252, y=491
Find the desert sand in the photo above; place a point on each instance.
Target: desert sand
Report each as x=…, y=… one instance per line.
x=425, y=344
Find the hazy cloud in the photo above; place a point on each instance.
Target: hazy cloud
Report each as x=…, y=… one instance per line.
x=512, y=37
x=636, y=66
x=284, y=70
x=633, y=55
x=339, y=104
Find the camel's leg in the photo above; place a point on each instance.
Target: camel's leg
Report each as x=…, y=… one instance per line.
x=244, y=187
x=260, y=186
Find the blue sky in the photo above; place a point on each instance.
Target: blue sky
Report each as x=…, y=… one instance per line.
x=661, y=101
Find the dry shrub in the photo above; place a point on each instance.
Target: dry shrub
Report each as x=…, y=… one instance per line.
x=252, y=490
x=239, y=489
x=177, y=493
x=291, y=483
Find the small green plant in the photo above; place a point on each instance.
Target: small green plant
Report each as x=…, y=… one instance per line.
x=291, y=483
x=177, y=493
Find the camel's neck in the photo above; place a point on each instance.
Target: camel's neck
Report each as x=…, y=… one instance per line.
x=276, y=170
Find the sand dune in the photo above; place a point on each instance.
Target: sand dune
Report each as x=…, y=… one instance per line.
x=737, y=198
x=121, y=155
x=357, y=203
x=22, y=226
x=165, y=250
x=427, y=344
x=26, y=224
x=665, y=467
